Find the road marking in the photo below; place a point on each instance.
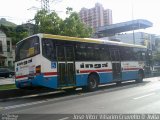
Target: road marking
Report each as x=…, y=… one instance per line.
x=144, y=96
x=64, y=118
x=33, y=103
x=155, y=89
x=23, y=105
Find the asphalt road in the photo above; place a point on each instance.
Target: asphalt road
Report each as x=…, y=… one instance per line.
x=128, y=98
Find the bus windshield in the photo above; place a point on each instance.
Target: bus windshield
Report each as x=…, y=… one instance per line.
x=27, y=48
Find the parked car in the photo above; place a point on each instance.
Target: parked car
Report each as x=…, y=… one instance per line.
x=156, y=70
x=6, y=72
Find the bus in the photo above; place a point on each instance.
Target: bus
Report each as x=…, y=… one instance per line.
x=62, y=62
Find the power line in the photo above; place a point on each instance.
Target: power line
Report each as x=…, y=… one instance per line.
x=45, y=5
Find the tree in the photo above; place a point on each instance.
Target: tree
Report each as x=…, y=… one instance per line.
x=15, y=33
x=156, y=57
x=69, y=10
x=48, y=22
x=20, y=33
x=51, y=23
x=8, y=30
x=74, y=27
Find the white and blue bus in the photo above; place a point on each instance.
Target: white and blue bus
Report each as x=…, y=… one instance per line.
x=61, y=62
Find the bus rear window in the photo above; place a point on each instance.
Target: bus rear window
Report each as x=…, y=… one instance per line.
x=27, y=48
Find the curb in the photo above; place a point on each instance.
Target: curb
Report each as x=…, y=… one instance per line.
x=11, y=93
x=6, y=94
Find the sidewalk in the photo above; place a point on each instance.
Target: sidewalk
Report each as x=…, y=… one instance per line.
x=4, y=81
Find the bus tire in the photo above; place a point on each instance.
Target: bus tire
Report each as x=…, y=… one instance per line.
x=92, y=83
x=140, y=77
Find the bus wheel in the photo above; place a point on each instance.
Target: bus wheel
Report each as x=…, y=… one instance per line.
x=92, y=83
x=140, y=77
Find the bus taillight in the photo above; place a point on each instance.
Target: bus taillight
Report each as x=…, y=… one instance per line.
x=38, y=69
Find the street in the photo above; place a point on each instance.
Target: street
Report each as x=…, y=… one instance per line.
x=127, y=98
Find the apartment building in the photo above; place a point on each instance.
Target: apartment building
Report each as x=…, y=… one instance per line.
x=96, y=17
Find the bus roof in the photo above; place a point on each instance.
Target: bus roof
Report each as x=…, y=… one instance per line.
x=87, y=40
x=90, y=40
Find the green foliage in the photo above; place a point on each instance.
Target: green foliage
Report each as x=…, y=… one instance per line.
x=20, y=33
x=69, y=10
x=4, y=22
x=53, y=24
x=15, y=33
x=47, y=23
x=156, y=57
x=8, y=30
x=74, y=27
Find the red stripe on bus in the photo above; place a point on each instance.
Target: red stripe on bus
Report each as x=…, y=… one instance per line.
x=50, y=73
x=22, y=76
x=88, y=71
x=46, y=74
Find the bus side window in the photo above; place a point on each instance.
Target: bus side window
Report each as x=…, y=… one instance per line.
x=100, y=53
x=128, y=53
x=48, y=49
x=81, y=52
x=90, y=53
x=78, y=52
x=96, y=53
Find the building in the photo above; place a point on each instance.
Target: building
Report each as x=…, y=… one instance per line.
x=107, y=17
x=124, y=32
x=113, y=29
x=6, y=52
x=157, y=44
x=96, y=17
x=139, y=38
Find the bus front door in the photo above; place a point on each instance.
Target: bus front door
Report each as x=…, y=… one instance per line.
x=66, y=65
x=116, y=64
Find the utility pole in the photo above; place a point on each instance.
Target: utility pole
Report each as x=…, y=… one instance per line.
x=134, y=42
x=45, y=5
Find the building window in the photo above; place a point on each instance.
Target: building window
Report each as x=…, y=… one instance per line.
x=9, y=63
x=1, y=49
x=8, y=46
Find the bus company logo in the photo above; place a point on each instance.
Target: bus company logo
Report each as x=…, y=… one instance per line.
x=24, y=62
x=102, y=65
x=25, y=66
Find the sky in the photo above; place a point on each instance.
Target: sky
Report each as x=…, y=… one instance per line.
x=21, y=11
